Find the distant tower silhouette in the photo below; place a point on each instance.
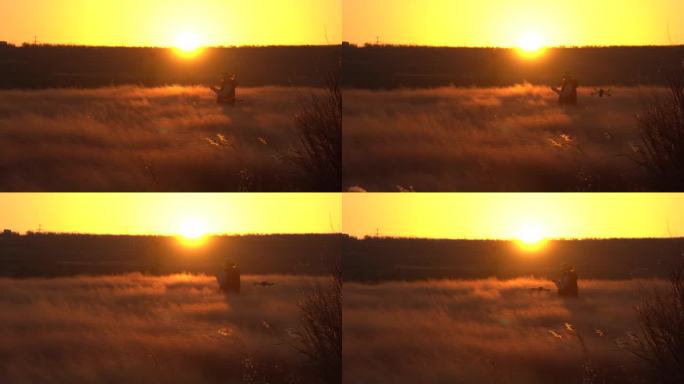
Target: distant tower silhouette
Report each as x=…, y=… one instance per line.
x=377, y=40
x=35, y=40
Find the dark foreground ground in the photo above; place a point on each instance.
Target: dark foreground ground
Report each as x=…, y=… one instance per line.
x=484, y=119
x=105, y=309
x=123, y=119
x=456, y=311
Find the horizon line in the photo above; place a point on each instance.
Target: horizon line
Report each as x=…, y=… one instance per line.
x=409, y=45
x=361, y=237
x=371, y=237
x=78, y=45
x=342, y=43
x=208, y=234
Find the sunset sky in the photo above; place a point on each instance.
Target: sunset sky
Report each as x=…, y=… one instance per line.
x=472, y=216
x=505, y=23
x=162, y=22
x=163, y=213
x=504, y=216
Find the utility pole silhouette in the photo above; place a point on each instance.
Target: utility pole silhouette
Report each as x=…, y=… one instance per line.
x=377, y=40
x=35, y=40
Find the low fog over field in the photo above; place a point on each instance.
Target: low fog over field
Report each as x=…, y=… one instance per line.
x=148, y=139
x=489, y=331
x=492, y=139
x=135, y=328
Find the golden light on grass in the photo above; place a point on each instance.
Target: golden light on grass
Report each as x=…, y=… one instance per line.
x=188, y=45
x=530, y=238
x=192, y=233
x=530, y=45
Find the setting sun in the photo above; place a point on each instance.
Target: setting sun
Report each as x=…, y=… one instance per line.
x=155, y=23
x=530, y=235
x=530, y=238
x=529, y=42
x=192, y=233
x=530, y=45
x=188, y=45
x=498, y=23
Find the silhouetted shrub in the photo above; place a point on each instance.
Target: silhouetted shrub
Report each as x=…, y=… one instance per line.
x=319, y=121
x=661, y=130
x=320, y=336
x=661, y=341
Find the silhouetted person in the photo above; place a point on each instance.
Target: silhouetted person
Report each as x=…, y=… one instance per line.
x=567, y=93
x=567, y=284
x=225, y=93
x=230, y=281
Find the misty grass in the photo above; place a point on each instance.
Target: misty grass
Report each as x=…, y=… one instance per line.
x=148, y=139
x=137, y=328
x=491, y=139
x=489, y=331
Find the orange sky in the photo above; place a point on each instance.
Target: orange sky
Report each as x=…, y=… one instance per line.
x=171, y=213
x=505, y=215
x=265, y=22
x=160, y=22
x=431, y=215
x=504, y=22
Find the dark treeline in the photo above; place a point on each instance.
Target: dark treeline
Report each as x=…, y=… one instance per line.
x=370, y=259
x=49, y=255
x=376, y=259
x=406, y=66
x=46, y=66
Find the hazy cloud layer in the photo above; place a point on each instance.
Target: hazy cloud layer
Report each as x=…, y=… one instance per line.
x=485, y=331
x=157, y=139
x=490, y=139
x=134, y=328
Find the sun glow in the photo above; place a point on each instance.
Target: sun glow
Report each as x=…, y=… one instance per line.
x=530, y=238
x=192, y=233
x=530, y=45
x=188, y=45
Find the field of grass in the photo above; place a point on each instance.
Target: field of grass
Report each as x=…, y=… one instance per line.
x=136, y=328
x=148, y=139
x=490, y=331
x=492, y=139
